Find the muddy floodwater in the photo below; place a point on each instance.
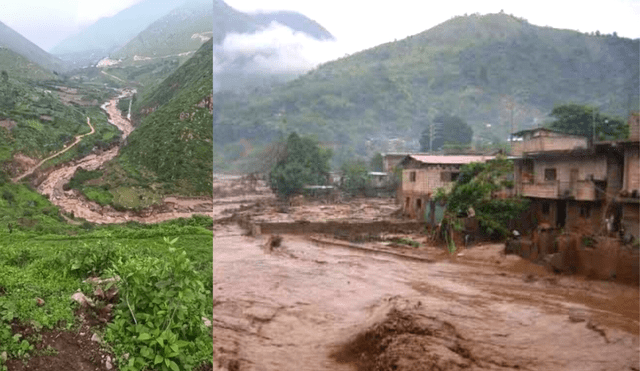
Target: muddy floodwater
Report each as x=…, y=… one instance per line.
x=309, y=306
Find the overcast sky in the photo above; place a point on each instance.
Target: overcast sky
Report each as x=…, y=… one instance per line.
x=363, y=24
x=357, y=24
x=47, y=22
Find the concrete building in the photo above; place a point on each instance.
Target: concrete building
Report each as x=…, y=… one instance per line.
x=422, y=175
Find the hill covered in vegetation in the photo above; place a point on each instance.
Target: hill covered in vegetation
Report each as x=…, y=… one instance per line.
x=12, y=40
x=182, y=30
x=173, y=142
x=497, y=72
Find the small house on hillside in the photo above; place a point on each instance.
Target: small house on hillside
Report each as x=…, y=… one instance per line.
x=422, y=175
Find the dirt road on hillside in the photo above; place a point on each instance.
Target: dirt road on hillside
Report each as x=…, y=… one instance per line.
x=73, y=202
x=310, y=306
x=76, y=141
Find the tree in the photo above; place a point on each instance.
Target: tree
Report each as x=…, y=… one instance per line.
x=473, y=190
x=377, y=162
x=579, y=120
x=448, y=129
x=354, y=177
x=303, y=162
x=5, y=76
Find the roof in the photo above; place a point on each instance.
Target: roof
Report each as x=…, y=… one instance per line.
x=449, y=160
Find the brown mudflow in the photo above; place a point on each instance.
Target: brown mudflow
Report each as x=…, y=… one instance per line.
x=305, y=305
x=72, y=202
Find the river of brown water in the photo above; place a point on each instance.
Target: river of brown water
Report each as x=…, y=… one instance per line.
x=72, y=202
x=295, y=306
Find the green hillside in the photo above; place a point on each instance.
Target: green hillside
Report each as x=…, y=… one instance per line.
x=19, y=44
x=170, y=151
x=182, y=30
x=494, y=69
x=35, y=121
x=19, y=66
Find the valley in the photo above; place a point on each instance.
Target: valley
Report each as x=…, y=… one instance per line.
x=51, y=185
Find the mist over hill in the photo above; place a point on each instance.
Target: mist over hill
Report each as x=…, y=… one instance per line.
x=496, y=71
x=12, y=40
x=110, y=33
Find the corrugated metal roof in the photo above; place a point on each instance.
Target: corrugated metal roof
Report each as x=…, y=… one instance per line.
x=452, y=159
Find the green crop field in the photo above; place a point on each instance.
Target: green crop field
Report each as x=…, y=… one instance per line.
x=163, y=289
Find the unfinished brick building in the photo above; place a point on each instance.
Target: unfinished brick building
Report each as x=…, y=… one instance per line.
x=422, y=175
x=579, y=188
x=585, y=194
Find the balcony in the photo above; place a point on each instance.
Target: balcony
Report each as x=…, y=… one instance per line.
x=582, y=190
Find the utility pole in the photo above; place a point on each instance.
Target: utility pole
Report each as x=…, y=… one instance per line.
x=432, y=134
x=593, y=122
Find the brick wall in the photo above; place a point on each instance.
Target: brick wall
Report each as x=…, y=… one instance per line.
x=595, y=165
x=632, y=169
x=427, y=180
x=541, y=144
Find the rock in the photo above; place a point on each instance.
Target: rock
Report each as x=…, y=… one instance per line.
x=528, y=278
x=107, y=363
x=206, y=321
x=3, y=356
x=96, y=338
x=40, y=302
x=555, y=261
x=82, y=299
x=577, y=315
x=273, y=242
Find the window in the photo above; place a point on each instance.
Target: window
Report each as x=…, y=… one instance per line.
x=412, y=176
x=419, y=203
x=546, y=208
x=549, y=174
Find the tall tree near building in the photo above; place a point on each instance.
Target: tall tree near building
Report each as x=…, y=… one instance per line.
x=445, y=129
x=580, y=120
x=304, y=162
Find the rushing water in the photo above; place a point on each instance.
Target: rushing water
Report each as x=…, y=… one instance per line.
x=290, y=308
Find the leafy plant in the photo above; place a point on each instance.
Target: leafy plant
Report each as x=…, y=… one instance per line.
x=159, y=318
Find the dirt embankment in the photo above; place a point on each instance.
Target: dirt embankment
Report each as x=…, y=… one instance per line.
x=72, y=201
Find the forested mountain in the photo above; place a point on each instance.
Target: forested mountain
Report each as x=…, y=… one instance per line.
x=12, y=40
x=497, y=72
x=173, y=142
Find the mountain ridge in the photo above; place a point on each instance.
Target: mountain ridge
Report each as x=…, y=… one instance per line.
x=19, y=44
x=485, y=69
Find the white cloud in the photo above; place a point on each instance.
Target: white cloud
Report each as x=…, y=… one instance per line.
x=278, y=49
